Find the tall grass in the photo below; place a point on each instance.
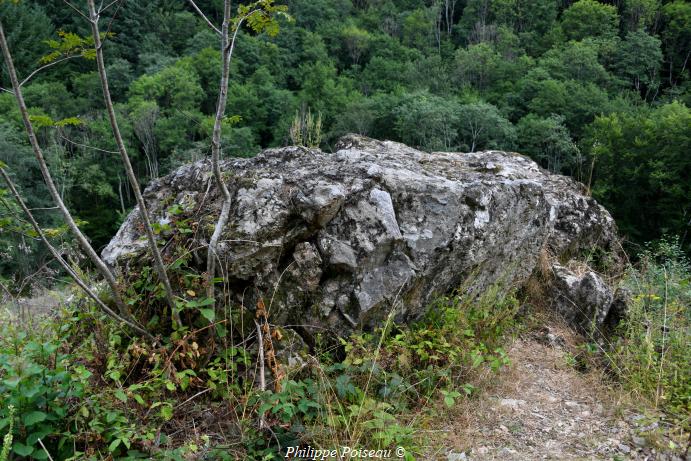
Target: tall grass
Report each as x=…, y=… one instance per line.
x=652, y=355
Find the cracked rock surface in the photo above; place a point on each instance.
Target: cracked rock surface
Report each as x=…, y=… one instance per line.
x=339, y=239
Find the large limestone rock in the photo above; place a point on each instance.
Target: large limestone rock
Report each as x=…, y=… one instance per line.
x=340, y=239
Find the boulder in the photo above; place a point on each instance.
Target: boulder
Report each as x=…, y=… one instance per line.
x=339, y=240
x=581, y=297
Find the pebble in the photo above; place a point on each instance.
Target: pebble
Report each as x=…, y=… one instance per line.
x=624, y=448
x=640, y=442
x=513, y=403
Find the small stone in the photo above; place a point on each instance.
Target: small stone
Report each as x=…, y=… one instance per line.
x=452, y=456
x=513, y=403
x=624, y=448
x=640, y=442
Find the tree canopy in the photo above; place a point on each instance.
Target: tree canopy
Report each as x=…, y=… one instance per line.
x=594, y=89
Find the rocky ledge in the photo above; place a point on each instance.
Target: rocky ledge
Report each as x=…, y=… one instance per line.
x=338, y=240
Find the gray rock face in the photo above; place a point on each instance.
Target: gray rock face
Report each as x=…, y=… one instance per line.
x=339, y=240
x=582, y=299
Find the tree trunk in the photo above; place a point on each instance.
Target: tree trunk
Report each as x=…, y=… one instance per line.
x=143, y=212
x=226, y=55
x=124, y=319
x=52, y=189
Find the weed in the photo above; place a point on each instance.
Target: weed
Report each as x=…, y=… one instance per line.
x=651, y=355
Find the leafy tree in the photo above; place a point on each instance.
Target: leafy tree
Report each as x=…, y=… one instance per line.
x=575, y=61
x=640, y=14
x=526, y=16
x=578, y=103
x=638, y=61
x=173, y=88
x=590, y=18
x=476, y=24
x=549, y=142
x=482, y=126
x=478, y=66
x=26, y=33
x=427, y=121
x=356, y=42
x=642, y=169
x=676, y=36
x=418, y=29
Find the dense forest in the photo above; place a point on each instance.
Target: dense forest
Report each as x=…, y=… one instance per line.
x=596, y=90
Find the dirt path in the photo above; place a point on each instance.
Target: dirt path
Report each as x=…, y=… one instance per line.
x=541, y=407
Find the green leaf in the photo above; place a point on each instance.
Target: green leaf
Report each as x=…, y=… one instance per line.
x=12, y=382
x=34, y=417
x=113, y=445
x=41, y=434
x=21, y=449
x=120, y=395
x=167, y=412
x=39, y=454
x=208, y=314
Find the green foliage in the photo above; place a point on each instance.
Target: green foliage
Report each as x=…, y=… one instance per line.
x=638, y=61
x=549, y=142
x=70, y=44
x=41, y=383
x=403, y=71
x=590, y=18
x=428, y=121
x=651, y=355
x=639, y=157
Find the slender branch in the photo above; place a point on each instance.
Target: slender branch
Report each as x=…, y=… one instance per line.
x=262, y=377
x=6, y=90
x=108, y=6
x=143, y=211
x=226, y=53
x=50, y=64
x=85, y=146
x=77, y=10
x=45, y=450
x=208, y=22
x=107, y=310
x=50, y=184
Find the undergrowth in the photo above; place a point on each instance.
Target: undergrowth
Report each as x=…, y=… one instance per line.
x=86, y=390
x=651, y=352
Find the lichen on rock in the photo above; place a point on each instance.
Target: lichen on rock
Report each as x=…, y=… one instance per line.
x=339, y=240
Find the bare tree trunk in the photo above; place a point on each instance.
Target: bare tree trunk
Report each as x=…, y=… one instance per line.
x=122, y=200
x=143, y=211
x=144, y=127
x=52, y=189
x=226, y=55
x=123, y=319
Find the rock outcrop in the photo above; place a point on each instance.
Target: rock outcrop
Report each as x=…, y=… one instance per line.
x=338, y=240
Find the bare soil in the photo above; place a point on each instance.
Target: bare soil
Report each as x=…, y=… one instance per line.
x=542, y=407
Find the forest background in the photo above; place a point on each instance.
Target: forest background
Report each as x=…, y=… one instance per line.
x=596, y=90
